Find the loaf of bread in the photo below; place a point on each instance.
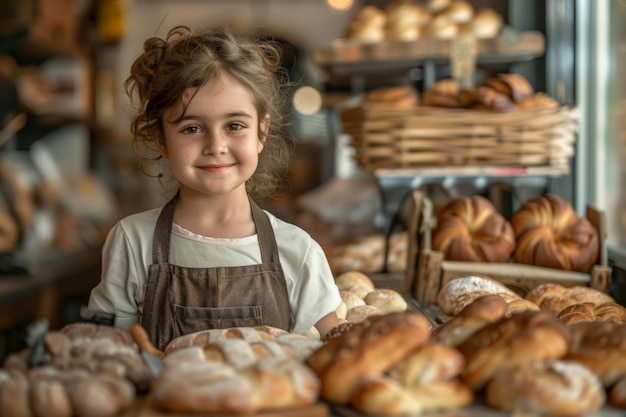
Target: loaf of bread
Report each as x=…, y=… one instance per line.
x=470, y=229
x=433, y=362
x=403, y=97
x=473, y=317
x=514, y=86
x=386, y=300
x=367, y=25
x=383, y=395
x=463, y=290
x=550, y=387
x=485, y=98
x=601, y=347
x=555, y=297
x=368, y=349
x=196, y=386
x=517, y=340
x=588, y=311
x=550, y=234
x=517, y=306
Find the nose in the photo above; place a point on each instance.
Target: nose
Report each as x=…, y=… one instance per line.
x=215, y=144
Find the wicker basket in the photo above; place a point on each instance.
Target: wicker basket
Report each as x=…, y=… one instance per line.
x=390, y=137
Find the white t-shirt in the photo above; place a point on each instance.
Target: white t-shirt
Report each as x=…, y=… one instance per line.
x=127, y=255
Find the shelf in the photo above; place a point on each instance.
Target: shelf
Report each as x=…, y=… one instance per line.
x=347, y=57
x=472, y=171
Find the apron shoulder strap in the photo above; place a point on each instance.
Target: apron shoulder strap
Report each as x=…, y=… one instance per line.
x=265, y=233
x=161, y=239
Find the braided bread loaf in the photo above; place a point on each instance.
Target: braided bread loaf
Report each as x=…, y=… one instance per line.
x=549, y=233
x=470, y=229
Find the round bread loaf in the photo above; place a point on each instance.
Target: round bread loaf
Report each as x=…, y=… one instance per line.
x=470, y=229
x=430, y=363
x=386, y=300
x=517, y=340
x=356, y=282
x=367, y=25
x=459, y=11
x=551, y=387
x=351, y=299
x=463, y=290
x=359, y=314
x=486, y=23
x=549, y=233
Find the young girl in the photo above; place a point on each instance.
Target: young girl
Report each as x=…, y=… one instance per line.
x=211, y=105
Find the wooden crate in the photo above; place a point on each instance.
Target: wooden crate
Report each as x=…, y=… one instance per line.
x=427, y=271
x=385, y=136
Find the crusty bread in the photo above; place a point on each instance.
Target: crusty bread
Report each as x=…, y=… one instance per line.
x=551, y=387
x=465, y=289
x=385, y=396
x=601, y=347
x=588, y=311
x=517, y=340
x=470, y=229
x=469, y=320
x=550, y=234
x=356, y=282
x=367, y=350
x=555, y=297
x=515, y=86
x=517, y=306
x=433, y=362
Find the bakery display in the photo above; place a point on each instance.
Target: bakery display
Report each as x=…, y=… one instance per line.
x=549, y=233
x=470, y=229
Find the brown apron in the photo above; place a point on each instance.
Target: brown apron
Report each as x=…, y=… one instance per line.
x=181, y=300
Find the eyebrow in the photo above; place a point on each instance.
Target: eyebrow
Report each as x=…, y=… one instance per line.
x=227, y=115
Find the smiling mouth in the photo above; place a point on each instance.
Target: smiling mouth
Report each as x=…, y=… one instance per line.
x=216, y=167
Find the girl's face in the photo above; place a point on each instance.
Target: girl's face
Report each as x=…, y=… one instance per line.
x=214, y=149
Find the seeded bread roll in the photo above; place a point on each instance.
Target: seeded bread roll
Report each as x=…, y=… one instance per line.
x=552, y=387
x=470, y=229
x=550, y=234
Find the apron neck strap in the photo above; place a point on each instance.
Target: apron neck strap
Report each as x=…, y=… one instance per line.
x=162, y=231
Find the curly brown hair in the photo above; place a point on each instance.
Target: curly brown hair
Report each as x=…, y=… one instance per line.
x=168, y=67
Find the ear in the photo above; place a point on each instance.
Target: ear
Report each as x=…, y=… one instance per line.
x=161, y=147
x=264, y=126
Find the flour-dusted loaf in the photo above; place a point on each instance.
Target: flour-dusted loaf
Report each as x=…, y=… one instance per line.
x=368, y=349
x=470, y=229
x=550, y=387
x=550, y=234
x=517, y=340
x=462, y=290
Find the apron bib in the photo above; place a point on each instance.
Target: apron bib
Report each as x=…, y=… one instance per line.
x=181, y=300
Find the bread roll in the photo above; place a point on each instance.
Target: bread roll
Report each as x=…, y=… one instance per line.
x=473, y=317
x=486, y=24
x=551, y=387
x=356, y=282
x=367, y=25
x=517, y=306
x=470, y=229
x=517, y=340
x=351, y=299
x=485, y=98
x=550, y=234
x=515, y=86
x=367, y=350
x=386, y=300
x=404, y=97
x=359, y=314
x=464, y=290
x=459, y=11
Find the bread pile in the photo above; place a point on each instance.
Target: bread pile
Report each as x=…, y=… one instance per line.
x=362, y=300
x=409, y=20
x=91, y=371
x=544, y=231
x=236, y=371
x=501, y=92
